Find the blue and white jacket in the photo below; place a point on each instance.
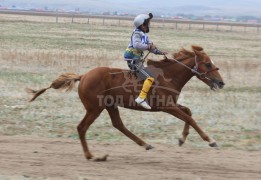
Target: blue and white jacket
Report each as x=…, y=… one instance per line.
x=139, y=43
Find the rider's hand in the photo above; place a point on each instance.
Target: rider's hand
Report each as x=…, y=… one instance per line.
x=158, y=52
x=164, y=52
x=152, y=47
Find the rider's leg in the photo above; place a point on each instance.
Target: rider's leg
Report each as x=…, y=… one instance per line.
x=146, y=87
x=136, y=64
x=144, y=91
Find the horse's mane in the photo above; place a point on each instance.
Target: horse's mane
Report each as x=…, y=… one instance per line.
x=181, y=55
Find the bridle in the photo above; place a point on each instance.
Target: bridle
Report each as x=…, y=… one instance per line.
x=196, y=70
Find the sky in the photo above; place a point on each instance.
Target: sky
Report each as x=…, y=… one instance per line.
x=197, y=7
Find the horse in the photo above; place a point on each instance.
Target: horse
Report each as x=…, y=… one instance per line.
x=105, y=88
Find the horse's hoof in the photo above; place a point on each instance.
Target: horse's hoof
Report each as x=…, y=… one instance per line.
x=181, y=142
x=89, y=157
x=148, y=147
x=214, y=144
x=99, y=159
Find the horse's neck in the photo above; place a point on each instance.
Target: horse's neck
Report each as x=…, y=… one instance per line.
x=180, y=74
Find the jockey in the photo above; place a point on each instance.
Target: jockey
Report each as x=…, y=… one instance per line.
x=134, y=53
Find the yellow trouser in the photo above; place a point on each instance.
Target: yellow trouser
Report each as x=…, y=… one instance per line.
x=146, y=87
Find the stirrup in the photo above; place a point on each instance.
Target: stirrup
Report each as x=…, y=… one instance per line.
x=142, y=103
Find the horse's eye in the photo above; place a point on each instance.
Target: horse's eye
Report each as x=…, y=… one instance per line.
x=208, y=65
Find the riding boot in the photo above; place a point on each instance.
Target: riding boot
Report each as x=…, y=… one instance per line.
x=143, y=94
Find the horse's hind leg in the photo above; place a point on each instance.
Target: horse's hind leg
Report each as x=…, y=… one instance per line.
x=117, y=123
x=185, y=132
x=83, y=127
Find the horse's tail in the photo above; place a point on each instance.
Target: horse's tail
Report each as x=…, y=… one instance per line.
x=64, y=82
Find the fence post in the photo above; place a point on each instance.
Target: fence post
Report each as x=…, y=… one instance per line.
x=56, y=18
x=88, y=21
x=103, y=19
x=119, y=22
x=72, y=18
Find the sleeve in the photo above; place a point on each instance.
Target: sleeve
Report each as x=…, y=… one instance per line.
x=149, y=41
x=137, y=43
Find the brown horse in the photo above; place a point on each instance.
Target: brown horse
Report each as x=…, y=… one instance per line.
x=106, y=88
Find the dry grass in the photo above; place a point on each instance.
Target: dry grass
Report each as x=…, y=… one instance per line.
x=33, y=54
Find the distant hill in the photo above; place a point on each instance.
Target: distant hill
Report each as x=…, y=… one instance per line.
x=168, y=7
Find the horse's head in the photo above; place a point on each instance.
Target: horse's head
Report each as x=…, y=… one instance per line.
x=207, y=70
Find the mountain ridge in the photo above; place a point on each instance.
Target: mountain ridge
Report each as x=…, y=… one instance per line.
x=168, y=7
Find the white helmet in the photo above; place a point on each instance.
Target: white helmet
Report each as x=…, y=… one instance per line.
x=140, y=19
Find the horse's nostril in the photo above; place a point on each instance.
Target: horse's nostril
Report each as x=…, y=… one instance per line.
x=221, y=83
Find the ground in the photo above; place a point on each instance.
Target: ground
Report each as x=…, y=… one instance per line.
x=57, y=158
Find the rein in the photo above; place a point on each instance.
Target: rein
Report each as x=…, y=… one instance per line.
x=195, y=69
x=146, y=56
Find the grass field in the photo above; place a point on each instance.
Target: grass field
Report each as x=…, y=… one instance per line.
x=32, y=54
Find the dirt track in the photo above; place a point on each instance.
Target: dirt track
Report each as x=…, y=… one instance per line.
x=40, y=158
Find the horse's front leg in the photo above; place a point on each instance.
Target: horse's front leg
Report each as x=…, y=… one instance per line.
x=185, y=131
x=177, y=112
x=185, y=134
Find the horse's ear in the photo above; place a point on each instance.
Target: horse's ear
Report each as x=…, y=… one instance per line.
x=198, y=54
x=197, y=48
